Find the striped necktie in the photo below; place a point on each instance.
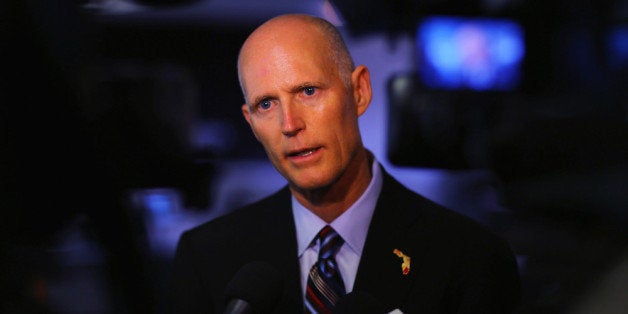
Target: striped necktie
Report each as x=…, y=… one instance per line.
x=324, y=284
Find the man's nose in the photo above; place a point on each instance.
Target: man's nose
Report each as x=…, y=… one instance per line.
x=292, y=122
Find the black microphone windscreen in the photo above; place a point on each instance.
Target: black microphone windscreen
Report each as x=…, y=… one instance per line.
x=258, y=283
x=359, y=302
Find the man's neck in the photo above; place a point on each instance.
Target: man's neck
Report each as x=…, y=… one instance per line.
x=331, y=201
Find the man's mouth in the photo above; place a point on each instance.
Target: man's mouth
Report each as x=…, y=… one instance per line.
x=303, y=153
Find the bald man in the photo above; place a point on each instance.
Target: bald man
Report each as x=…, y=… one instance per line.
x=304, y=96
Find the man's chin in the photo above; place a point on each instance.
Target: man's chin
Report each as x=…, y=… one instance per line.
x=310, y=184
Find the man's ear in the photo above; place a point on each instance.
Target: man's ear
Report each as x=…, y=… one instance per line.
x=245, y=113
x=362, y=91
x=247, y=116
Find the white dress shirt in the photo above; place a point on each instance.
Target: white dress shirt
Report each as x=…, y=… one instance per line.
x=352, y=226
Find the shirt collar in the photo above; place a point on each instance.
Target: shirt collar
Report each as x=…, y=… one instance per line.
x=352, y=225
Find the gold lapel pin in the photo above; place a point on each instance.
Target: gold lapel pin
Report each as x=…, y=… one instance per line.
x=405, y=265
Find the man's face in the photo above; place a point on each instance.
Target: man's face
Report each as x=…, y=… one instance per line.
x=301, y=110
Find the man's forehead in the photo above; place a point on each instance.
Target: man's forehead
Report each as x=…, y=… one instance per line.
x=288, y=28
x=267, y=79
x=282, y=49
x=283, y=57
x=286, y=22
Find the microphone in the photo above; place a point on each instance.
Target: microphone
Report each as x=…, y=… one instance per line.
x=255, y=288
x=359, y=302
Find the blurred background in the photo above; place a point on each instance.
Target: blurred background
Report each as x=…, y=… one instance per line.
x=121, y=128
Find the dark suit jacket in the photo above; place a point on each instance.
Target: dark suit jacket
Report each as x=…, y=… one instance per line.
x=457, y=266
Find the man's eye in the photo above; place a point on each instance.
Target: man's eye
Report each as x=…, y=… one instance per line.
x=309, y=90
x=265, y=104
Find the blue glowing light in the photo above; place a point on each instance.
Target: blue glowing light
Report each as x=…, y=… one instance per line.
x=470, y=53
x=618, y=47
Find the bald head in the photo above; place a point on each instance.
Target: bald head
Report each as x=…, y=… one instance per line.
x=300, y=32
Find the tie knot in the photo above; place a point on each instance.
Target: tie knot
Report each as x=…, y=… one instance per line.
x=331, y=241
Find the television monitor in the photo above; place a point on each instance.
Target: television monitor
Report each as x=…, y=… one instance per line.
x=470, y=53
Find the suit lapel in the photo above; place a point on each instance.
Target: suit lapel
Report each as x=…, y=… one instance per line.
x=380, y=272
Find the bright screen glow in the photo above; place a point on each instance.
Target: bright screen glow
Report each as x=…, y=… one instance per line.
x=457, y=53
x=618, y=47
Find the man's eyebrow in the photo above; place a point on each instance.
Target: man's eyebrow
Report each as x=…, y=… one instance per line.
x=259, y=99
x=294, y=89
x=301, y=86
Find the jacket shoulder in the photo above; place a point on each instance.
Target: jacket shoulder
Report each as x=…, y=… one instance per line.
x=249, y=217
